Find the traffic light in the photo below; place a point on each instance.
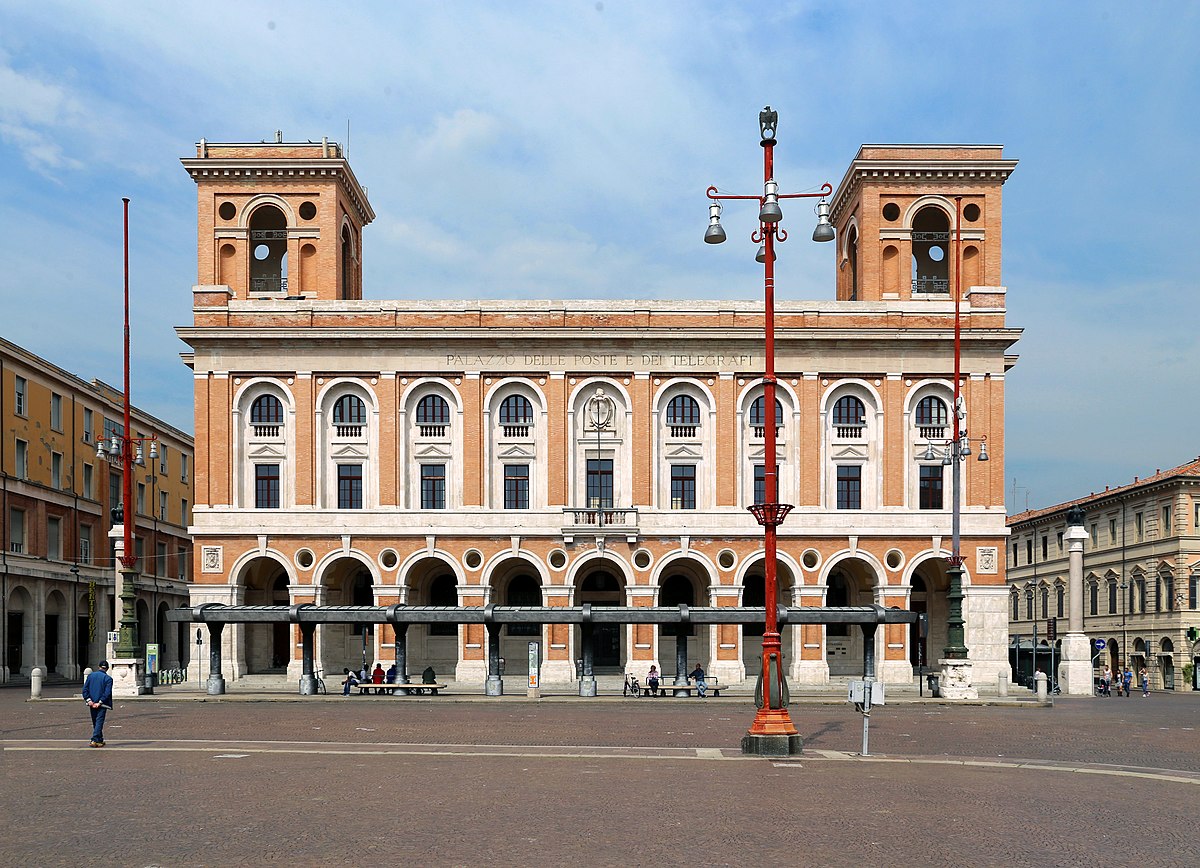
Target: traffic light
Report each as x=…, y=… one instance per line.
x=1052, y=629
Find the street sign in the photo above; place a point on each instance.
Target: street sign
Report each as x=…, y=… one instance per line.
x=114, y=636
x=534, y=665
x=151, y=657
x=1101, y=644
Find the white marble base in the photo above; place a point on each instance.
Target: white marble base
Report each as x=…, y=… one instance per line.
x=728, y=672
x=468, y=672
x=894, y=672
x=558, y=672
x=809, y=672
x=955, y=681
x=1075, y=670
x=126, y=674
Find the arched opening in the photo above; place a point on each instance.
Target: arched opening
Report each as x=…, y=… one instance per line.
x=930, y=586
x=18, y=636
x=432, y=584
x=347, y=264
x=267, y=645
x=143, y=625
x=1166, y=663
x=685, y=583
x=930, y=249
x=970, y=265
x=268, y=251
x=348, y=582
x=891, y=271
x=918, y=650
x=160, y=635
x=754, y=596
x=852, y=261
x=514, y=583
x=851, y=583
x=602, y=587
x=56, y=634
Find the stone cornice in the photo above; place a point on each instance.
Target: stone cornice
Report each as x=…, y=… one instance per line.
x=283, y=169
x=966, y=172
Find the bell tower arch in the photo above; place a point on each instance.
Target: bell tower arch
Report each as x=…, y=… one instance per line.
x=895, y=217
x=279, y=219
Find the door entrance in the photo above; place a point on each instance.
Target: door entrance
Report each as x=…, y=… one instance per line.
x=51, y=644
x=606, y=645
x=16, y=639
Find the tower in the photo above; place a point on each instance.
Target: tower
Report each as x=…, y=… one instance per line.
x=895, y=213
x=279, y=219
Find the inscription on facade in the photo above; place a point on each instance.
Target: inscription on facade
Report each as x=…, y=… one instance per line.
x=604, y=360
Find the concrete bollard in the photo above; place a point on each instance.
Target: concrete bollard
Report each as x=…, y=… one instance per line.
x=1002, y=684
x=35, y=683
x=1042, y=692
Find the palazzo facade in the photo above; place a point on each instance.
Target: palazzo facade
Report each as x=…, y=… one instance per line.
x=355, y=451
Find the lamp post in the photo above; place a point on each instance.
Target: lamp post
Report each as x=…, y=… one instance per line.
x=772, y=732
x=956, y=667
x=126, y=451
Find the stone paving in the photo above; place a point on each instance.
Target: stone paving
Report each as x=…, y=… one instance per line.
x=446, y=781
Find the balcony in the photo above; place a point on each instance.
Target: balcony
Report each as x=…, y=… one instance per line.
x=687, y=432
x=431, y=430
x=758, y=432
x=598, y=521
x=515, y=431
x=348, y=432
x=266, y=431
x=848, y=432
x=931, y=285
x=269, y=284
x=933, y=432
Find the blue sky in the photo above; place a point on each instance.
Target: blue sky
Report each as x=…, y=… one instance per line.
x=562, y=149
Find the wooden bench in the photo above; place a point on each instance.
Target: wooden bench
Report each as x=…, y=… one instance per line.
x=712, y=688
x=367, y=688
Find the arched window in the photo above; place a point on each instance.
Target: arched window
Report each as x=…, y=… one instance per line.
x=683, y=415
x=266, y=415
x=849, y=417
x=516, y=414
x=349, y=415
x=268, y=247
x=433, y=415
x=930, y=244
x=931, y=417
x=758, y=415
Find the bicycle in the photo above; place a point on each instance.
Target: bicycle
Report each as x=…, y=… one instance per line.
x=320, y=683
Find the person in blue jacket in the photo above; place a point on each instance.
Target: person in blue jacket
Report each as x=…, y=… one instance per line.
x=97, y=693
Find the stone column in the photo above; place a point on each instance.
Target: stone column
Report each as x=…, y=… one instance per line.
x=1075, y=669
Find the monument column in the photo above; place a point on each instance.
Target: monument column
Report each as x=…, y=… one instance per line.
x=1075, y=670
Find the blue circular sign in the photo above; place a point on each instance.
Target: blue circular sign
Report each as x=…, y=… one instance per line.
x=1101, y=644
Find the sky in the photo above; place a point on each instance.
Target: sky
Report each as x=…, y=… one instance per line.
x=562, y=150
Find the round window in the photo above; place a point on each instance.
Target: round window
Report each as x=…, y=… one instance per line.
x=227, y=211
x=894, y=559
x=726, y=559
x=891, y=212
x=971, y=212
x=304, y=559
x=261, y=252
x=811, y=559
x=307, y=210
x=558, y=559
x=388, y=559
x=473, y=559
x=642, y=559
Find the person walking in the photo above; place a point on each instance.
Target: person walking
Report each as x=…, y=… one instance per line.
x=1127, y=680
x=97, y=693
x=1145, y=676
x=1106, y=682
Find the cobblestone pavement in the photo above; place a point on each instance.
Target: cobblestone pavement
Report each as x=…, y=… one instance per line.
x=426, y=781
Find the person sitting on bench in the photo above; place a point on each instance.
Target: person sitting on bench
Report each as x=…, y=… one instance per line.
x=652, y=680
x=697, y=675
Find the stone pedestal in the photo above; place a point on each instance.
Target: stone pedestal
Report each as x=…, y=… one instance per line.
x=1075, y=670
x=809, y=672
x=558, y=672
x=955, y=682
x=126, y=674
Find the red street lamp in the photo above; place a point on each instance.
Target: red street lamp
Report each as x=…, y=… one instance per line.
x=772, y=732
x=126, y=451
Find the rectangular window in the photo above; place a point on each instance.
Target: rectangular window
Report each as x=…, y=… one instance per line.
x=138, y=547
x=266, y=487
x=184, y=518
x=1029, y=551
x=516, y=486
x=183, y=463
x=114, y=490
x=1059, y=601
x=349, y=478
x=1193, y=592
x=112, y=429
x=849, y=487
x=1029, y=605
x=1016, y=558
x=54, y=538
x=1094, y=599
x=56, y=461
x=1166, y=521
x=683, y=486
x=1112, y=531
x=20, y=396
x=160, y=560
x=1137, y=524
x=433, y=486
x=1093, y=533
x=141, y=498
x=930, y=491
x=181, y=564
x=162, y=506
x=55, y=411
x=22, y=467
x=1045, y=548
x=85, y=544
x=1060, y=541
x=760, y=483
x=16, y=531
x=87, y=425
x=1112, y=598
x=162, y=459
x=600, y=483
x=1141, y=590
